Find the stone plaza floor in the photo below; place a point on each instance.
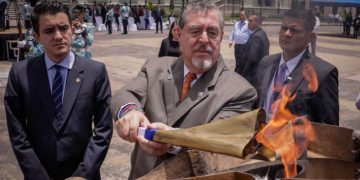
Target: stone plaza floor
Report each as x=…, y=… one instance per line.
x=124, y=55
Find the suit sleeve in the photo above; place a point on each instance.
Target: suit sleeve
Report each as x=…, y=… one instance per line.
x=241, y=102
x=102, y=132
x=16, y=122
x=326, y=102
x=134, y=92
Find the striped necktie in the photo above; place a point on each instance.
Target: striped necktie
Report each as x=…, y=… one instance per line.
x=279, y=84
x=57, y=91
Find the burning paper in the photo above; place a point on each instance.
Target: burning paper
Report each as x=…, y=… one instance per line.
x=288, y=134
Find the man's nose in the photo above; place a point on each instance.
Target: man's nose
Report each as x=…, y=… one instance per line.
x=57, y=35
x=204, y=38
x=288, y=32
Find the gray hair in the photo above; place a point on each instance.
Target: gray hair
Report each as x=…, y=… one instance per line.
x=201, y=5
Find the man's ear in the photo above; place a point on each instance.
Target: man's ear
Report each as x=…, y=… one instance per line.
x=222, y=35
x=312, y=36
x=36, y=36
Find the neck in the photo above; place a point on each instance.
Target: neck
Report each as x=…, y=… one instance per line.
x=289, y=55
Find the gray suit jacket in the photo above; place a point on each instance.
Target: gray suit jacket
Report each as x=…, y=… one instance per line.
x=218, y=93
x=321, y=106
x=76, y=148
x=255, y=49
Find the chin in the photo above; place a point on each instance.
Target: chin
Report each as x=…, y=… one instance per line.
x=202, y=64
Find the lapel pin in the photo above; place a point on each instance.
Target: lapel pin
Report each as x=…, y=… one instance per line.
x=169, y=77
x=77, y=80
x=200, y=94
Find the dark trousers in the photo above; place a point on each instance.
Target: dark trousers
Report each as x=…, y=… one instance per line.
x=356, y=32
x=147, y=22
x=109, y=26
x=125, y=24
x=117, y=22
x=238, y=51
x=159, y=21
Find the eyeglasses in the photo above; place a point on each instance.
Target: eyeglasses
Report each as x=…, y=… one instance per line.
x=212, y=32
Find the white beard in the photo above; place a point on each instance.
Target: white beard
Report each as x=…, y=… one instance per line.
x=203, y=64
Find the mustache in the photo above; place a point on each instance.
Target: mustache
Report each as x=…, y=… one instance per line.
x=203, y=47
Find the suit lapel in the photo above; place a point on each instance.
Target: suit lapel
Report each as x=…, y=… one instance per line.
x=197, y=93
x=296, y=75
x=175, y=76
x=41, y=86
x=269, y=72
x=73, y=84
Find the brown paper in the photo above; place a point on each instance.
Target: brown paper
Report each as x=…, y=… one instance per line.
x=225, y=136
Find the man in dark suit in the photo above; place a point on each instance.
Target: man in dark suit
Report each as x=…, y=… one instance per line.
x=158, y=14
x=255, y=49
x=171, y=99
x=290, y=69
x=57, y=105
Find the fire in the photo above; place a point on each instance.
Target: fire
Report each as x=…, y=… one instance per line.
x=288, y=134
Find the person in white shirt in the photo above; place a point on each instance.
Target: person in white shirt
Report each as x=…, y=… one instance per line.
x=239, y=35
x=313, y=41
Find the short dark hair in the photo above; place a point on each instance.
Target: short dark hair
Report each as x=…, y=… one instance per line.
x=306, y=15
x=200, y=5
x=50, y=8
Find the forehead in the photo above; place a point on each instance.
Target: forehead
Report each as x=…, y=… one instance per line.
x=251, y=17
x=53, y=19
x=294, y=22
x=209, y=18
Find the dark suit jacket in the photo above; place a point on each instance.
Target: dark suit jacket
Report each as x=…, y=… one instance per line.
x=321, y=106
x=158, y=14
x=157, y=90
x=255, y=49
x=76, y=149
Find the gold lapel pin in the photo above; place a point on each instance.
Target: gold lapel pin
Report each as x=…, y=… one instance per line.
x=77, y=80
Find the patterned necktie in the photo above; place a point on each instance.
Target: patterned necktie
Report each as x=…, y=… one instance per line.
x=279, y=84
x=186, y=86
x=57, y=90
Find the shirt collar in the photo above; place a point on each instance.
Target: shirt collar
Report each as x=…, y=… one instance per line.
x=186, y=70
x=67, y=62
x=292, y=63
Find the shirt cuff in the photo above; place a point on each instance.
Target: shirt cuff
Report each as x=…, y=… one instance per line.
x=126, y=108
x=174, y=149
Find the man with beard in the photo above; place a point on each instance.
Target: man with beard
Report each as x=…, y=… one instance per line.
x=171, y=92
x=291, y=70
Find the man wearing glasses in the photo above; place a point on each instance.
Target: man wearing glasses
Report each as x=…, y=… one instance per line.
x=191, y=90
x=290, y=69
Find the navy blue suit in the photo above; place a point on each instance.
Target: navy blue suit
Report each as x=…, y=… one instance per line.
x=45, y=150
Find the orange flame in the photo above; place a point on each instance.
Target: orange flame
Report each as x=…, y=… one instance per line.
x=288, y=134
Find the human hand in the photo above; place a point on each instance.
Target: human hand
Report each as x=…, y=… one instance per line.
x=127, y=126
x=152, y=147
x=75, y=23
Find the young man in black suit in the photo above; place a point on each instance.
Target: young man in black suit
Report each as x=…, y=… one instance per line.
x=57, y=104
x=289, y=69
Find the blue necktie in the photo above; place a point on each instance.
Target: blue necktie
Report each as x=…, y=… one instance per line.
x=279, y=84
x=57, y=90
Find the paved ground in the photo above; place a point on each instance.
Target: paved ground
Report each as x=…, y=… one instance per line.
x=123, y=56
